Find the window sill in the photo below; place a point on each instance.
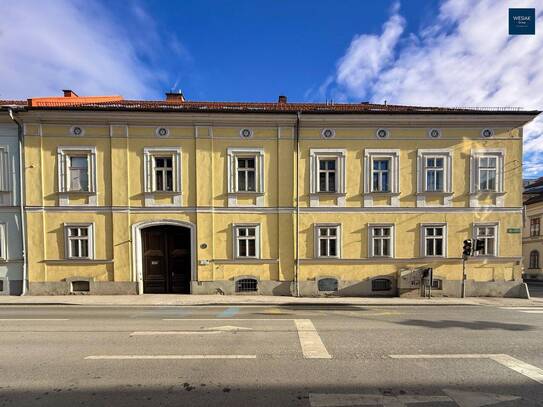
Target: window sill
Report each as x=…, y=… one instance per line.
x=330, y=193
x=487, y=193
x=246, y=260
x=376, y=193
x=77, y=192
x=165, y=193
x=246, y=193
x=435, y=193
x=77, y=261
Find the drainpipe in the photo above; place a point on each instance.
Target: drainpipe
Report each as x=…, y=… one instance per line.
x=21, y=199
x=297, y=266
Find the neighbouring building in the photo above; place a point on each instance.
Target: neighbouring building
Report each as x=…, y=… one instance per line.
x=532, y=239
x=177, y=196
x=11, y=234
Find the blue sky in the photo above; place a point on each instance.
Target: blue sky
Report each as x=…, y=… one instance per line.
x=424, y=52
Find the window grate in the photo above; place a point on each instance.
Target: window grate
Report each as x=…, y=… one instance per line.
x=327, y=284
x=80, y=286
x=246, y=285
x=381, y=284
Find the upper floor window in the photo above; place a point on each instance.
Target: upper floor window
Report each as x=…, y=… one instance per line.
x=246, y=241
x=434, y=240
x=162, y=169
x=380, y=181
x=381, y=240
x=79, y=241
x=488, y=173
x=246, y=174
x=434, y=170
x=535, y=226
x=5, y=171
x=327, y=240
x=487, y=170
x=245, y=170
x=488, y=235
x=534, y=259
x=77, y=169
x=327, y=171
x=381, y=169
x=434, y=173
x=327, y=175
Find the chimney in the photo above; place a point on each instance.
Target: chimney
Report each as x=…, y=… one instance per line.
x=68, y=93
x=175, y=96
x=282, y=99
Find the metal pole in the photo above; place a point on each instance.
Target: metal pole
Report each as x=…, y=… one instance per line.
x=463, y=277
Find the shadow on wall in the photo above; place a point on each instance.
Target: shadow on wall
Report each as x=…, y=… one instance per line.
x=474, y=326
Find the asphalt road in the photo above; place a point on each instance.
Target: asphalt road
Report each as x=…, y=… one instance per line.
x=464, y=356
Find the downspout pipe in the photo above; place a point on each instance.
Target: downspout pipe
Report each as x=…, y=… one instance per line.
x=297, y=252
x=21, y=199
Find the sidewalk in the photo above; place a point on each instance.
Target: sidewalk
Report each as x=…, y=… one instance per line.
x=260, y=300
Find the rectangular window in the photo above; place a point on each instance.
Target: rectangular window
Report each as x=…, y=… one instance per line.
x=327, y=175
x=3, y=242
x=246, y=174
x=327, y=240
x=163, y=173
x=77, y=169
x=535, y=226
x=246, y=239
x=79, y=241
x=434, y=168
x=381, y=241
x=381, y=175
x=488, y=172
x=487, y=234
x=434, y=240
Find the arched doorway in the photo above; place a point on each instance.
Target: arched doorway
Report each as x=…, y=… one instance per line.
x=164, y=256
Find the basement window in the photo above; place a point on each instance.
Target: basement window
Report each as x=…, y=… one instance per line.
x=80, y=286
x=246, y=285
x=437, y=284
x=327, y=284
x=381, y=284
x=1, y=285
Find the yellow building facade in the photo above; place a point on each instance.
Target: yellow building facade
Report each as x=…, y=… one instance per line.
x=277, y=198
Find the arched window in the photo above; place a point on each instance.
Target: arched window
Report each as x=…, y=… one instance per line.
x=534, y=259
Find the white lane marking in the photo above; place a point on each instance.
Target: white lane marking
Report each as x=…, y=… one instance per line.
x=162, y=357
x=533, y=312
x=312, y=346
x=520, y=308
x=229, y=328
x=228, y=319
x=148, y=333
x=521, y=367
x=461, y=398
x=34, y=319
x=510, y=362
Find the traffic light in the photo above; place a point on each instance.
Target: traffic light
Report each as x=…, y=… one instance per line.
x=479, y=245
x=466, y=250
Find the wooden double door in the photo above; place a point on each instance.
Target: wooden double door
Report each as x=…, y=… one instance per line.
x=166, y=259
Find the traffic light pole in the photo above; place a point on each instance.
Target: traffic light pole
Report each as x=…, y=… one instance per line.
x=463, y=295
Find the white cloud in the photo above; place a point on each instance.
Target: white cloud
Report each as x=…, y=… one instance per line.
x=466, y=58
x=54, y=45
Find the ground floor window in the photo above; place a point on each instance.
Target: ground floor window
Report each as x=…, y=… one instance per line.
x=487, y=234
x=246, y=241
x=434, y=240
x=78, y=241
x=534, y=259
x=327, y=239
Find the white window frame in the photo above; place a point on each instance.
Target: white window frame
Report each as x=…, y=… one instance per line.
x=423, y=239
x=496, y=226
x=422, y=156
x=90, y=240
x=476, y=155
x=5, y=171
x=316, y=240
x=63, y=163
x=3, y=242
x=235, y=239
x=371, y=246
x=371, y=154
x=149, y=175
x=233, y=154
x=337, y=154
